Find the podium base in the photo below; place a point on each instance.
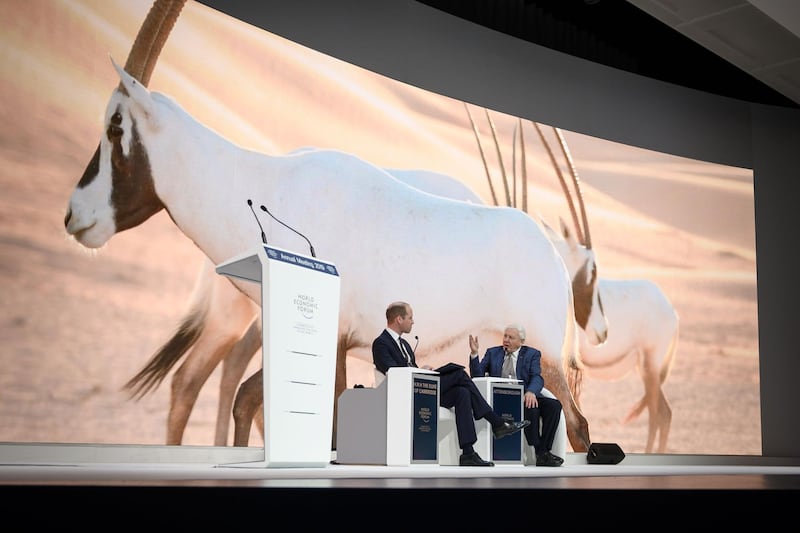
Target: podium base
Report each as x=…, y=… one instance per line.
x=264, y=464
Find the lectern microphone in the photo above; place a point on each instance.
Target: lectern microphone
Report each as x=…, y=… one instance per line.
x=263, y=235
x=310, y=247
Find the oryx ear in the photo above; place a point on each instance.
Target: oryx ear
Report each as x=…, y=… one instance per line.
x=567, y=233
x=138, y=93
x=551, y=233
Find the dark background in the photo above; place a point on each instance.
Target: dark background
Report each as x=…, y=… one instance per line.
x=617, y=34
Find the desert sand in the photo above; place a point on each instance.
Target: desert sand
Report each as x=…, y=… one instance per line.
x=77, y=324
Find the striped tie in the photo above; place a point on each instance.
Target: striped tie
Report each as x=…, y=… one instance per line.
x=508, y=367
x=404, y=352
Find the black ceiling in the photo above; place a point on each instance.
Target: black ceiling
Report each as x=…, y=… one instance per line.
x=617, y=34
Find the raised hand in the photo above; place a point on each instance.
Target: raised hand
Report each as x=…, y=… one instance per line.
x=473, y=345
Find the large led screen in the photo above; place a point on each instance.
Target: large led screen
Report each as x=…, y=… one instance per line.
x=458, y=209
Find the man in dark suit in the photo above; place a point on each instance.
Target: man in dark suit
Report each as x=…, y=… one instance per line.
x=513, y=360
x=456, y=388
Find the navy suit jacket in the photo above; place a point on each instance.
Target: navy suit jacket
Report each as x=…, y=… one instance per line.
x=529, y=367
x=386, y=353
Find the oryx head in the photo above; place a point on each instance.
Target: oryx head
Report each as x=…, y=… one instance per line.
x=116, y=191
x=579, y=257
x=575, y=249
x=582, y=267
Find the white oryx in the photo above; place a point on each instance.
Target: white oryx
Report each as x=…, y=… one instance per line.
x=642, y=336
x=214, y=329
x=388, y=240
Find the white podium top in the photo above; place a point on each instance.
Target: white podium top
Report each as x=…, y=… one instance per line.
x=248, y=265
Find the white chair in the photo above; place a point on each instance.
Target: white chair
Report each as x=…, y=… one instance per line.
x=449, y=451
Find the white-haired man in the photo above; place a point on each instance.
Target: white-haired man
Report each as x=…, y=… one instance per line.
x=517, y=361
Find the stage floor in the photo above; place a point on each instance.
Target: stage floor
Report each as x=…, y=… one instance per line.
x=643, y=491
x=634, y=472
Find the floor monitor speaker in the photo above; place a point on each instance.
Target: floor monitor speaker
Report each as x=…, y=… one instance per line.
x=601, y=453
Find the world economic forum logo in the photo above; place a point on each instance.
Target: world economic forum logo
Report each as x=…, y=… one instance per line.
x=306, y=305
x=425, y=414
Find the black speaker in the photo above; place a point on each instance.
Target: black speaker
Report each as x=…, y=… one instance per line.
x=602, y=453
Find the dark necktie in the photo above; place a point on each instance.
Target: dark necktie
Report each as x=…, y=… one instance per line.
x=508, y=367
x=404, y=352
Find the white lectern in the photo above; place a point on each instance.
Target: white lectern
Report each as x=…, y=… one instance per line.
x=300, y=322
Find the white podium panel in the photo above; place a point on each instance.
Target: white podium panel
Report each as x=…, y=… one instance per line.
x=300, y=321
x=393, y=424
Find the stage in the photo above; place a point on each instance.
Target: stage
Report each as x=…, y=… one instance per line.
x=631, y=473
x=666, y=486
x=87, y=464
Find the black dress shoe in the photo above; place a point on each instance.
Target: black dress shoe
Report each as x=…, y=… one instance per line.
x=548, y=459
x=509, y=428
x=473, y=459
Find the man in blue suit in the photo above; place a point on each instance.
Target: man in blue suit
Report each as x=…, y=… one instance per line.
x=513, y=360
x=456, y=388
